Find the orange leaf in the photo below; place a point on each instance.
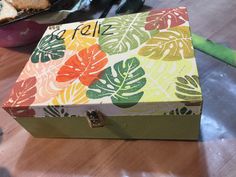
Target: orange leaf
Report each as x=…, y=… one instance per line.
x=21, y=97
x=86, y=65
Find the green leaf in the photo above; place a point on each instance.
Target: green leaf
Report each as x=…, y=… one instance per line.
x=182, y=80
x=122, y=84
x=49, y=48
x=125, y=33
x=180, y=111
x=56, y=111
x=191, y=81
x=188, y=88
x=184, y=85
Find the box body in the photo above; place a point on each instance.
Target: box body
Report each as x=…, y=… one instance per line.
x=139, y=127
x=138, y=70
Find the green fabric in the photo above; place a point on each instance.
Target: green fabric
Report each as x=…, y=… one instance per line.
x=218, y=51
x=181, y=127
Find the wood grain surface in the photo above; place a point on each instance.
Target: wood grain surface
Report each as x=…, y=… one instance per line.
x=214, y=154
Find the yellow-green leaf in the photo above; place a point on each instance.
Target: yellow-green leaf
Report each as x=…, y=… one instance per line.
x=188, y=88
x=76, y=41
x=169, y=45
x=74, y=94
x=127, y=33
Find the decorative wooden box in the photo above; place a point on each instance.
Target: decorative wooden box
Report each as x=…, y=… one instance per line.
x=126, y=77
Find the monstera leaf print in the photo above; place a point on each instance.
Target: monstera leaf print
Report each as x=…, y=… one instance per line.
x=181, y=111
x=76, y=41
x=122, y=83
x=188, y=88
x=125, y=33
x=56, y=111
x=49, y=48
x=86, y=65
x=74, y=94
x=21, y=97
x=166, y=18
x=169, y=45
x=46, y=73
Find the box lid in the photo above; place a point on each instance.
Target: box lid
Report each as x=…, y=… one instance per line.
x=138, y=64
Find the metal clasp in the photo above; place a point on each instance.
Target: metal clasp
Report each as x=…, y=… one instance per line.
x=95, y=118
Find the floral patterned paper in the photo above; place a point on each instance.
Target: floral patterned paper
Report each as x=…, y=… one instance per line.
x=138, y=64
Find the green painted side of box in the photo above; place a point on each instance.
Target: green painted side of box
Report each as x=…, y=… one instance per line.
x=186, y=127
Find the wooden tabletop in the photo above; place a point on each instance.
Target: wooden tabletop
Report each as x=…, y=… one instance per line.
x=21, y=155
